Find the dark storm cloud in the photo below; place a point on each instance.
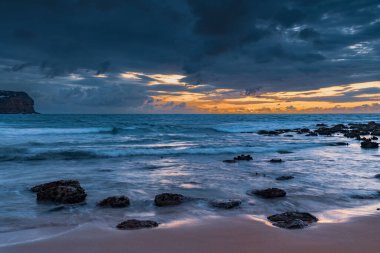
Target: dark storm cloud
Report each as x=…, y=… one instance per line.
x=243, y=44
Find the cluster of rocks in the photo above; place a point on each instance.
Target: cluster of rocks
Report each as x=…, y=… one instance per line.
x=71, y=192
x=239, y=158
x=288, y=220
x=356, y=131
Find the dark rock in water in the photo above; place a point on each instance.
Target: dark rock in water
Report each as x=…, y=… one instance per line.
x=270, y=193
x=243, y=158
x=62, y=191
x=352, y=134
x=282, y=178
x=12, y=102
x=276, y=160
x=62, y=194
x=304, y=130
x=339, y=144
x=377, y=176
x=57, y=209
x=115, y=202
x=168, y=199
x=288, y=135
x=284, y=151
x=368, y=196
x=312, y=134
x=369, y=144
x=338, y=127
x=374, y=138
x=324, y=131
x=292, y=220
x=321, y=125
x=226, y=204
x=137, y=224
x=265, y=132
x=229, y=161
x=42, y=187
x=376, y=132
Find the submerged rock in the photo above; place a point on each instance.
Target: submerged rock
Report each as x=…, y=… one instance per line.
x=377, y=176
x=229, y=161
x=282, y=178
x=339, y=144
x=270, y=193
x=369, y=144
x=243, y=158
x=292, y=220
x=276, y=160
x=136, y=224
x=226, y=204
x=115, y=202
x=168, y=199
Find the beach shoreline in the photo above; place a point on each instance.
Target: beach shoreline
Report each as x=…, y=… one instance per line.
x=221, y=234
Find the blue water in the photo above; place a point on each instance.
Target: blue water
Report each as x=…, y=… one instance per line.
x=143, y=155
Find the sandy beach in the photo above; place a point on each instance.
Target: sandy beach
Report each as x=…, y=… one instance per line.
x=239, y=234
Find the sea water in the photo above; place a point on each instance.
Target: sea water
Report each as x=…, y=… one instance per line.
x=143, y=155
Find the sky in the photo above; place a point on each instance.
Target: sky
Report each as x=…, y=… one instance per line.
x=193, y=56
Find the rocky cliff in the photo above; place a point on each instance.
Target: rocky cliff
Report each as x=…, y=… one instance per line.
x=12, y=102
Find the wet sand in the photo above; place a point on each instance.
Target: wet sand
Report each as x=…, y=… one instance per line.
x=238, y=234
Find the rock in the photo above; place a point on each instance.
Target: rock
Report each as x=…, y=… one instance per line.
x=282, y=178
x=338, y=128
x=376, y=132
x=265, y=132
x=168, y=199
x=229, y=161
x=115, y=202
x=270, y=193
x=374, y=138
x=42, y=187
x=352, y=134
x=292, y=220
x=12, y=102
x=324, y=131
x=276, y=160
x=312, y=134
x=288, y=135
x=321, y=125
x=137, y=224
x=377, y=176
x=226, y=204
x=339, y=144
x=243, y=158
x=369, y=144
x=62, y=194
x=284, y=151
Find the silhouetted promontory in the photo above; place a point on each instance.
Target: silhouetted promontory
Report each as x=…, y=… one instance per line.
x=14, y=102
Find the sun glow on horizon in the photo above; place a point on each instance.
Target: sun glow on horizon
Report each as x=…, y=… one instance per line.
x=339, y=98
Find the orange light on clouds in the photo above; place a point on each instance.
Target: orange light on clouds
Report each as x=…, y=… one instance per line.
x=206, y=98
x=307, y=101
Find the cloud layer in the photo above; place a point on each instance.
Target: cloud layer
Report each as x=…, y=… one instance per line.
x=69, y=54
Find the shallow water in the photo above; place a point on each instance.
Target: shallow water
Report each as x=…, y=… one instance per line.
x=143, y=155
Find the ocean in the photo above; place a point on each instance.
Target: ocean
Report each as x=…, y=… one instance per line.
x=143, y=155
